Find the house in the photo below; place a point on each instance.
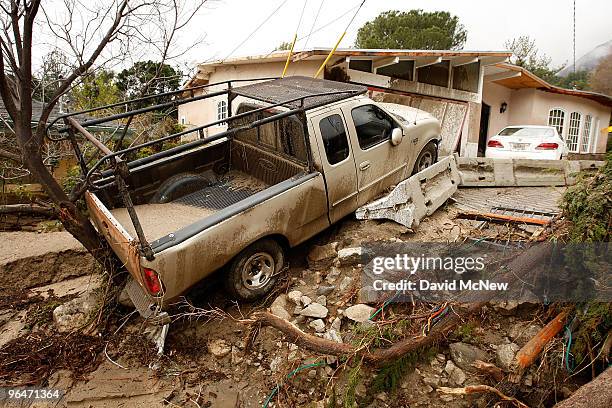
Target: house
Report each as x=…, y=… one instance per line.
x=514, y=96
x=465, y=90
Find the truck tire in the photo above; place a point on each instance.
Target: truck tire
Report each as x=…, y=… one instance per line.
x=180, y=185
x=427, y=157
x=251, y=273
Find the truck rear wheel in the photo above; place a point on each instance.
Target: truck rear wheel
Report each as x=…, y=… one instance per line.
x=252, y=273
x=427, y=157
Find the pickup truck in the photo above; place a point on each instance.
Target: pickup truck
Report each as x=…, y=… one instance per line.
x=298, y=155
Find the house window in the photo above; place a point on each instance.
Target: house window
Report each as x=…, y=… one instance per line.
x=221, y=110
x=556, y=118
x=361, y=65
x=573, y=131
x=586, y=134
x=436, y=74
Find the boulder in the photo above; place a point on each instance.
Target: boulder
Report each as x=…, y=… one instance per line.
x=76, y=313
x=305, y=300
x=325, y=290
x=345, y=284
x=322, y=300
x=295, y=296
x=522, y=332
x=455, y=374
x=504, y=355
x=279, y=307
x=322, y=256
x=318, y=325
x=350, y=256
x=463, y=355
x=359, y=313
x=315, y=310
x=332, y=335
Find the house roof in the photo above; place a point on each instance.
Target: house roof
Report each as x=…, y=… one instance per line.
x=515, y=77
x=386, y=56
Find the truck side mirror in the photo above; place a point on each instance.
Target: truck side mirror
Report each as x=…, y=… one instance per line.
x=396, y=136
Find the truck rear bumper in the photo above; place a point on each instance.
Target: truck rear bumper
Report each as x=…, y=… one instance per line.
x=148, y=308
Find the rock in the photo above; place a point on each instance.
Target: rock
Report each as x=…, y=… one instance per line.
x=332, y=335
x=275, y=363
x=295, y=296
x=236, y=356
x=322, y=300
x=446, y=397
x=305, y=300
x=315, y=310
x=463, y=355
x=455, y=374
x=528, y=380
x=279, y=307
x=368, y=295
x=297, y=310
x=333, y=274
x=441, y=357
x=522, y=332
x=432, y=380
x=74, y=314
x=336, y=324
x=350, y=256
x=321, y=256
x=504, y=355
x=325, y=290
x=318, y=325
x=345, y=284
x=359, y=313
x=219, y=348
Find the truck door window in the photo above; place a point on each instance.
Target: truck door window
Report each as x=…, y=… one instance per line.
x=372, y=124
x=334, y=138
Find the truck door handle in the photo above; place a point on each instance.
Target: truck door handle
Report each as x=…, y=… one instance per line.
x=364, y=165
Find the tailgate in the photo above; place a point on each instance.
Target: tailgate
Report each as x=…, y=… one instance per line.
x=124, y=246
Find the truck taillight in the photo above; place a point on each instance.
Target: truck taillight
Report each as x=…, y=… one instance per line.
x=151, y=279
x=547, y=146
x=494, y=143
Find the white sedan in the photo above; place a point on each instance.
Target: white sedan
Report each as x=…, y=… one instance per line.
x=526, y=142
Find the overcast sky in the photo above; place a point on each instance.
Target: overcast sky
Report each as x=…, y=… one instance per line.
x=489, y=23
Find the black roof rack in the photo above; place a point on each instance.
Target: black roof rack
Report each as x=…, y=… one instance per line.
x=312, y=92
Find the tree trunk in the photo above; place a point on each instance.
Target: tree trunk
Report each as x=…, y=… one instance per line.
x=597, y=393
x=73, y=220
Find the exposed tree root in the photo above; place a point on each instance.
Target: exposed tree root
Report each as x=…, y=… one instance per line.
x=377, y=357
x=489, y=369
x=480, y=389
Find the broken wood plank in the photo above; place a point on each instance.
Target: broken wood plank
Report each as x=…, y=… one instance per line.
x=480, y=389
x=488, y=216
x=530, y=351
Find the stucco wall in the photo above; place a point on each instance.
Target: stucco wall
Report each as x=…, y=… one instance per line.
x=531, y=107
x=205, y=111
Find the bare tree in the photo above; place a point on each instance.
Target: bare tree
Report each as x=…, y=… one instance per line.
x=92, y=35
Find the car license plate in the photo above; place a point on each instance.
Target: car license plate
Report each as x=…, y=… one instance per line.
x=520, y=146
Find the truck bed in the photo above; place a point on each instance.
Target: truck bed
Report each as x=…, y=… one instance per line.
x=158, y=220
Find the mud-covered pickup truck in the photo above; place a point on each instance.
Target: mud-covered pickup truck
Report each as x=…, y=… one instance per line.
x=298, y=155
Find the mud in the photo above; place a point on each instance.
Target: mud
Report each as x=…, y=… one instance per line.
x=29, y=259
x=158, y=220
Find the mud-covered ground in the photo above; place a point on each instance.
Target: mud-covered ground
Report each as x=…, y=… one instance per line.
x=208, y=361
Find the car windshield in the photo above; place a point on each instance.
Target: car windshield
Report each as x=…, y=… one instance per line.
x=526, y=131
